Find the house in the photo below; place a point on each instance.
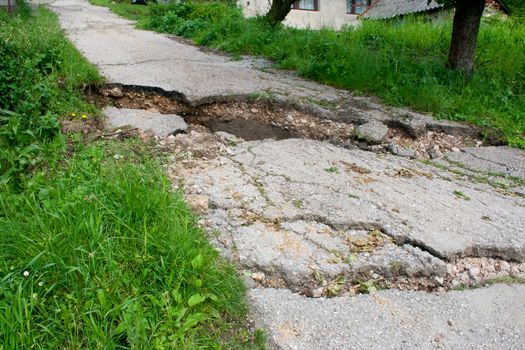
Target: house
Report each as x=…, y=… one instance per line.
x=386, y=9
x=8, y=4
x=314, y=14
x=335, y=14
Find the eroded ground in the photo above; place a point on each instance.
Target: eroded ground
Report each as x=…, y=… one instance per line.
x=316, y=218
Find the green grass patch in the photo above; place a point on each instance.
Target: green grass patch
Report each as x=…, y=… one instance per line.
x=96, y=250
x=98, y=253
x=332, y=170
x=41, y=79
x=461, y=195
x=491, y=281
x=402, y=62
x=516, y=9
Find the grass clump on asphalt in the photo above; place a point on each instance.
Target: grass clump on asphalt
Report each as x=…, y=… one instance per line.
x=402, y=62
x=96, y=251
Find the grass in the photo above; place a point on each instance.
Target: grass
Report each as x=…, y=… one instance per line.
x=126, y=9
x=491, y=281
x=516, y=8
x=96, y=251
x=112, y=258
x=402, y=62
x=461, y=195
x=332, y=170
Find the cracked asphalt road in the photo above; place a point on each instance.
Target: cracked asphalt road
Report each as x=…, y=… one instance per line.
x=312, y=225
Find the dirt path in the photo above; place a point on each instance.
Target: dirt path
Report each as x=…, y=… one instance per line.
x=320, y=197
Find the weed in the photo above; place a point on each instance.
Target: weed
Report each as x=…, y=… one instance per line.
x=336, y=285
x=260, y=188
x=332, y=170
x=41, y=74
x=506, y=280
x=368, y=287
x=298, y=203
x=350, y=258
x=318, y=277
x=461, y=195
x=491, y=281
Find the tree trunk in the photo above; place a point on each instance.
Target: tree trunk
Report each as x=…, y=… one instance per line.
x=465, y=30
x=279, y=11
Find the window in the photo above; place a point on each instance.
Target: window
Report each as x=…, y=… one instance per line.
x=357, y=7
x=311, y=5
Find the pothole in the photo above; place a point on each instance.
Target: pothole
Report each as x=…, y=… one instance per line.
x=248, y=129
x=257, y=117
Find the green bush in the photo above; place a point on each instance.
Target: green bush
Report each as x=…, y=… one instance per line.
x=188, y=18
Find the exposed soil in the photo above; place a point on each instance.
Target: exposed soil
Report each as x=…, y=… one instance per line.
x=249, y=130
x=253, y=118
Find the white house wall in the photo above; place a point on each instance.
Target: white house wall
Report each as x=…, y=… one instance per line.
x=331, y=14
x=3, y=3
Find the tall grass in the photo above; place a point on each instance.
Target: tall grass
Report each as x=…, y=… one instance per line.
x=403, y=62
x=99, y=253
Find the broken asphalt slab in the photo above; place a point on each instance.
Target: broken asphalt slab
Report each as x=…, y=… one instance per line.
x=412, y=202
x=161, y=125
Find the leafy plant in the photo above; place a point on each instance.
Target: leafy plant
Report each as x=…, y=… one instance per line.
x=332, y=170
x=368, y=287
x=461, y=195
x=38, y=82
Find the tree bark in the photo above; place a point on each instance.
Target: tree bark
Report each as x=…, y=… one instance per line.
x=465, y=31
x=278, y=11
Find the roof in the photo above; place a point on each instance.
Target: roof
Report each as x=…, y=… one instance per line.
x=382, y=9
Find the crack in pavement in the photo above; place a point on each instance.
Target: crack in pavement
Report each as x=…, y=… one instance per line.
x=278, y=243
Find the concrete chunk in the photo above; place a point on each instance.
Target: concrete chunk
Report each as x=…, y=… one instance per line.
x=372, y=132
x=160, y=124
